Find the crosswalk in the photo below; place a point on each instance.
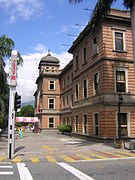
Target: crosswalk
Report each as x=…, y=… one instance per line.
x=6, y=169
x=79, y=156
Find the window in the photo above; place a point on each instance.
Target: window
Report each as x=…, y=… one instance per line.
x=84, y=55
x=120, y=81
x=64, y=84
x=72, y=78
x=51, y=122
x=68, y=121
x=76, y=92
x=52, y=85
x=51, y=103
x=77, y=63
x=96, y=84
x=67, y=81
x=76, y=123
x=96, y=123
x=85, y=124
x=95, y=46
x=85, y=88
x=72, y=99
x=67, y=101
x=124, y=124
x=119, y=41
x=63, y=101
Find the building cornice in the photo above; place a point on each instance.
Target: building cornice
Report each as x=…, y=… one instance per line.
x=129, y=61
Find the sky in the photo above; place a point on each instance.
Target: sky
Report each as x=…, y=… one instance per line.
x=37, y=26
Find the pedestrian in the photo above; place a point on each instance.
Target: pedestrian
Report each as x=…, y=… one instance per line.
x=20, y=133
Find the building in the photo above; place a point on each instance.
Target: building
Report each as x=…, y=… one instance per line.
x=88, y=87
x=48, y=92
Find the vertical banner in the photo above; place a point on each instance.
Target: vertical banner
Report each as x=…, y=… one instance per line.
x=38, y=102
x=12, y=81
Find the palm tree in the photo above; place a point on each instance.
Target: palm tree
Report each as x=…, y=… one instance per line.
x=103, y=6
x=6, y=46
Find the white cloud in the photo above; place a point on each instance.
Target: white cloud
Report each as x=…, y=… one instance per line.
x=22, y=8
x=62, y=29
x=28, y=73
x=41, y=48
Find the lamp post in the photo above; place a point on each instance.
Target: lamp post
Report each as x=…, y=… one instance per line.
x=119, y=116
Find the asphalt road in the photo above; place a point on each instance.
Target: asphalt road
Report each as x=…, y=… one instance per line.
x=95, y=170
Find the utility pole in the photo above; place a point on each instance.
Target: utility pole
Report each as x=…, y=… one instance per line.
x=11, y=115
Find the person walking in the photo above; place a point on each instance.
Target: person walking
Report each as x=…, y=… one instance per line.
x=20, y=133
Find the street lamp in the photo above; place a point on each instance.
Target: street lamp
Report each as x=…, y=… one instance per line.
x=119, y=116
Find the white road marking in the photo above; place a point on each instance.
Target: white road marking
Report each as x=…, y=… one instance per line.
x=6, y=167
x=6, y=173
x=24, y=172
x=75, y=172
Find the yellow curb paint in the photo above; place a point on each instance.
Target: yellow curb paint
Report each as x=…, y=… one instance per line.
x=34, y=160
x=125, y=153
x=2, y=158
x=114, y=154
x=83, y=157
x=47, y=147
x=97, y=156
x=67, y=158
x=17, y=160
x=50, y=159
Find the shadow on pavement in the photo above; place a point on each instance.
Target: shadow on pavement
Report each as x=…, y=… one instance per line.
x=19, y=148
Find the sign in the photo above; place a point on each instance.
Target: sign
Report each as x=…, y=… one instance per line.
x=13, y=68
x=27, y=119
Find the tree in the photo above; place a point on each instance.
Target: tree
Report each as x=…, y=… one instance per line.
x=6, y=46
x=26, y=111
x=103, y=6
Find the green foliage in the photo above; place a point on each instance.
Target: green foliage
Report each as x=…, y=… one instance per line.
x=6, y=46
x=26, y=111
x=65, y=128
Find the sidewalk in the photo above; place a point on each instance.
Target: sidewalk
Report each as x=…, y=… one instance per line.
x=52, y=145
x=3, y=144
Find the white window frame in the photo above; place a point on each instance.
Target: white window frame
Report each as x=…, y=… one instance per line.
x=124, y=39
x=51, y=123
x=128, y=122
x=49, y=103
x=86, y=124
x=94, y=125
x=126, y=78
x=53, y=84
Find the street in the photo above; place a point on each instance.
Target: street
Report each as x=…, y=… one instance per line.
x=53, y=156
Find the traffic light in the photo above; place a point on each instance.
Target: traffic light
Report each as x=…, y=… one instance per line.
x=17, y=101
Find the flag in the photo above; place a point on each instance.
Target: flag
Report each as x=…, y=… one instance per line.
x=38, y=102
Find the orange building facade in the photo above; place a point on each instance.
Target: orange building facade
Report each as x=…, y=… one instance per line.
x=87, y=90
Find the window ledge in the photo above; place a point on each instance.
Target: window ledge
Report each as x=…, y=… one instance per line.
x=119, y=51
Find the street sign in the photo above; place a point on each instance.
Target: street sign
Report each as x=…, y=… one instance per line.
x=12, y=81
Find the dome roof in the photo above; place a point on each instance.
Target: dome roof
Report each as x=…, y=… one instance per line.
x=49, y=59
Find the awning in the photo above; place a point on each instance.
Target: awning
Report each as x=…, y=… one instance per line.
x=27, y=119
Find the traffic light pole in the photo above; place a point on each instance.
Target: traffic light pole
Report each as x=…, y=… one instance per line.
x=11, y=115
x=11, y=122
